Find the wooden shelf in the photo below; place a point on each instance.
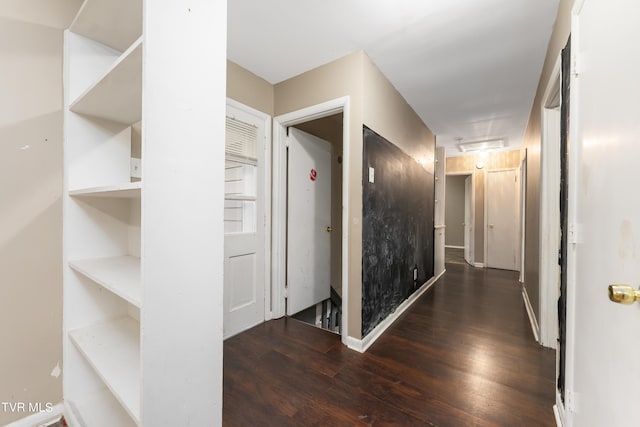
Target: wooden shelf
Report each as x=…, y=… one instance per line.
x=115, y=23
x=117, y=95
x=100, y=409
x=125, y=191
x=113, y=350
x=120, y=275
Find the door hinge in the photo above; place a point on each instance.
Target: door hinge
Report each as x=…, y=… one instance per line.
x=286, y=291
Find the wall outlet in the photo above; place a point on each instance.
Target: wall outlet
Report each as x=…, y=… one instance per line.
x=136, y=168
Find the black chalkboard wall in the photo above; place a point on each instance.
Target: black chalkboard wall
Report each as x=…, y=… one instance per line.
x=397, y=228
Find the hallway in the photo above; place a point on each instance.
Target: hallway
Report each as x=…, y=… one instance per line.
x=463, y=355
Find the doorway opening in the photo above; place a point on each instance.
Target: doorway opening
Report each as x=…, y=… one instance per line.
x=310, y=205
x=314, y=214
x=459, y=215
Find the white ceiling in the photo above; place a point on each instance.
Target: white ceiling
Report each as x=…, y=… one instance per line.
x=469, y=68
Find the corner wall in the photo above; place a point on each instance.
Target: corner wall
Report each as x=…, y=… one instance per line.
x=245, y=87
x=31, y=215
x=373, y=102
x=532, y=142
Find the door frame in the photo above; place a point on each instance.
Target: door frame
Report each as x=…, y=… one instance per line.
x=523, y=212
x=279, y=201
x=486, y=215
x=573, y=230
x=267, y=200
x=473, y=210
x=550, y=208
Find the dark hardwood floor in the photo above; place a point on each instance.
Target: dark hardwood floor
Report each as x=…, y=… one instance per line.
x=462, y=355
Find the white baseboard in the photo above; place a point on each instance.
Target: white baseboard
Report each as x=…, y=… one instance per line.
x=364, y=344
x=558, y=411
x=532, y=316
x=453, y=247
x=478, y=264
x=39, y=418
x=556, y=415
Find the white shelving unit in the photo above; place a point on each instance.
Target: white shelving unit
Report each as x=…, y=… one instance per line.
x=125, y=191
x=113, y=350
x=120, y=275
x=142, y=257
x=100, y=409
x=117, y=95
x=102, y=221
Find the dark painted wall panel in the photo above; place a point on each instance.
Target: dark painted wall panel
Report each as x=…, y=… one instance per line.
x=397, y=228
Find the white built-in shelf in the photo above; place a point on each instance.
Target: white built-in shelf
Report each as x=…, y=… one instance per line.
x=120, y=275
x=113, y=350
x=117, y=95
x=125, y=191
x=100, y=409
x=115, y=23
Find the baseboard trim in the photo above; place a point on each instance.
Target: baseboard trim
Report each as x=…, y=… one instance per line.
x=453, y=247
x=478, y=264
x=532, y=316
x=558, y=411
x=364, y=344
x=556, y=415
x=39, y=418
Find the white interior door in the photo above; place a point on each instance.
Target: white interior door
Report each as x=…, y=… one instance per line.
x=308, y=221
x=502, y=219
x=468, y=220
x=604, y=215
x=244, y=241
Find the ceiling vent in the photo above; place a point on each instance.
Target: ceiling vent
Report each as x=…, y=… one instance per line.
x=490, y=144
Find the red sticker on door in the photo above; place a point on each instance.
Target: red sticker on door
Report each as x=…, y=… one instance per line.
x=313, y=174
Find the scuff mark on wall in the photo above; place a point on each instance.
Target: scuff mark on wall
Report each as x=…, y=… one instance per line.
x=56, y=371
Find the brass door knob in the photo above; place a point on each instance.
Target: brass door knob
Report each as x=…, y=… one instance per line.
x=329, y=229
x=623, y=294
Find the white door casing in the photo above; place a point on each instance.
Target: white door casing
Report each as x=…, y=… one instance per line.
x=501, y=219
x=604, y=215
x=246, y=237
x=308, y=221
x=278, y=208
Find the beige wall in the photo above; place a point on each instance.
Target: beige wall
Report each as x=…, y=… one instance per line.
x=31, y=214
x=532, y=142
x=249, y=89
x=374, y=102
x=387, y=113
x=467, y=164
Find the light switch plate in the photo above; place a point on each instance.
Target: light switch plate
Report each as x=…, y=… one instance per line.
x=372, y=173
x=136, y=168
